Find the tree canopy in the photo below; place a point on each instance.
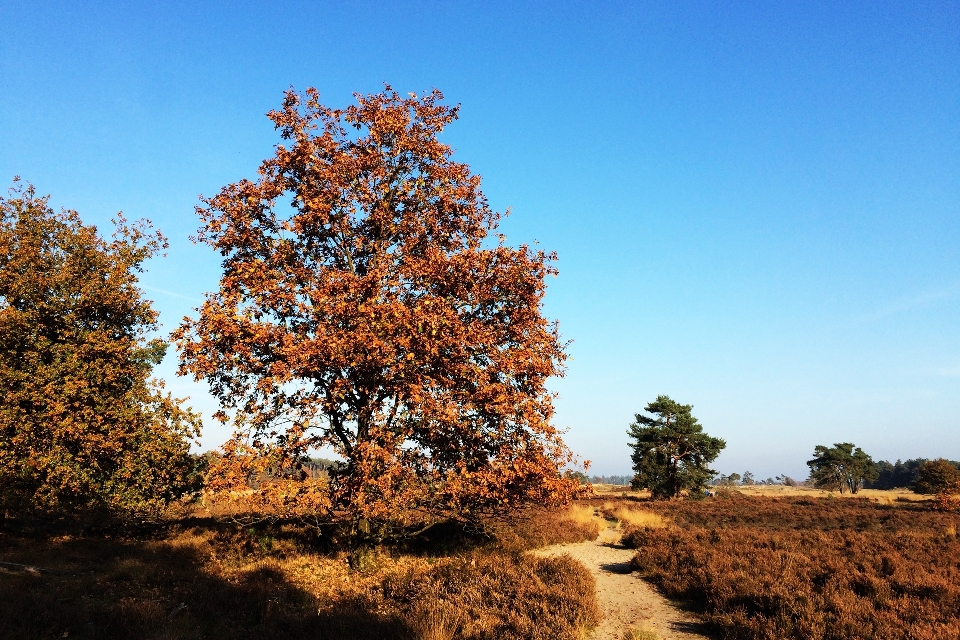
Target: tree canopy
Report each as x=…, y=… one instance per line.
x=366, y=308
x=81, y=424
x=891, y=475
x=842, y=466
x=937, y=476
x=670, y=450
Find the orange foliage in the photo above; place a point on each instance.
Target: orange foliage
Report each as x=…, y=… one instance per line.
x=365, y=308
x=948, y=498
x=81, y=425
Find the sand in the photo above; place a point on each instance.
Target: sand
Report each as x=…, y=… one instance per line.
x=625, y=600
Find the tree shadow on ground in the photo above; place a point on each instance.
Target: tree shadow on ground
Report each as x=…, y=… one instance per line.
x=115, y=588
x=617, y=567
x=444, y=539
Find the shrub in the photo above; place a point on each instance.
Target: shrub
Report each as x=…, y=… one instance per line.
x=83, y=426
x=937, y=476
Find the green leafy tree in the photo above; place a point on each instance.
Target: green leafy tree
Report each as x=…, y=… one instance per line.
x=81, y=423
x=843, y=466
x=670, y=450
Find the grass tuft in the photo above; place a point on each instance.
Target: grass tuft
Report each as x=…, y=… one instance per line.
x=636, y=518
x=437, y=620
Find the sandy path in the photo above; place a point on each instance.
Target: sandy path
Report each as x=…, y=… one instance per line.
x=625, y=600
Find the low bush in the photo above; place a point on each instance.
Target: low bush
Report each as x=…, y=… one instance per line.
x=498, y=595
x=541, y=527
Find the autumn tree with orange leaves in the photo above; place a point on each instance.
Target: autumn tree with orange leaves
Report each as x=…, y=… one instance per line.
x=82, y=426
x=366, y=307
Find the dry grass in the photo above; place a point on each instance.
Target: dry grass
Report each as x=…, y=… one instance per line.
x=888, y=496
x=630, y=516
x=583, y=514
x=818, y=569
x=883, y=496
x=616, y=491
x=640, y=634
x=437, y=620
x=212, y=579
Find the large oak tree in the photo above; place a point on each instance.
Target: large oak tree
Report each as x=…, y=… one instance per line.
x=82, y=425
x=367, y=307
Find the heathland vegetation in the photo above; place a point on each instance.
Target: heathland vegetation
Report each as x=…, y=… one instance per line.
x=368, y=310
x=771, y=568
x=201, y=574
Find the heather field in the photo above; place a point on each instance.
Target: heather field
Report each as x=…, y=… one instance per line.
x=767, y=568
x=210, y=578
x=751, y=568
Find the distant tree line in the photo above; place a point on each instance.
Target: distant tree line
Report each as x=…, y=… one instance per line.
x=620, y=481
x=845, y=466
x=747, y=479
x=900, y=474
x=671, y=453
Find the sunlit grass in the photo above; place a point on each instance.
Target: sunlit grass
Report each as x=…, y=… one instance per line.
x=583, y=514
x=627, y=516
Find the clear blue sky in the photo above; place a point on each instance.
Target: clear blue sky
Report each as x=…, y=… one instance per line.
x=756, y=205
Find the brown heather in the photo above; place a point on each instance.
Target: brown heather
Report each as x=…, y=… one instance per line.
x=816, y=569
x=205, y=578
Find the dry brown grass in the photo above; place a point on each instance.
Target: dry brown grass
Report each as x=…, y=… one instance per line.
x=584, y=513
x=887, y=496
x=437, y=620
x=883, y=496
x=629, y=515
x=213, y=579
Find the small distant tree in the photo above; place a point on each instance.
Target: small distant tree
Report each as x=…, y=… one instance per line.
x=82, y=426
x=731, y=480
x=937, y=476
x=670, y=450
x=785, y=480
x=843, y=466
x=747, y=479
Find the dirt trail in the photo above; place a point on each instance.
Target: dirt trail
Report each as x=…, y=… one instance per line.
x=625, y=600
